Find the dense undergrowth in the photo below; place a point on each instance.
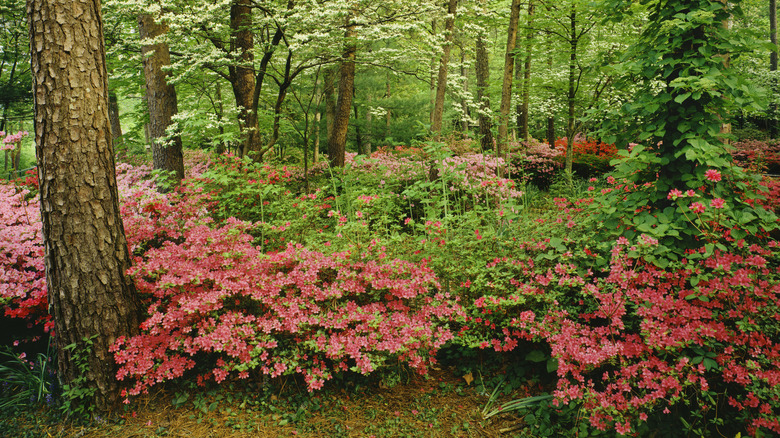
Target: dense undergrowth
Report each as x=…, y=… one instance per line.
x=642, y=317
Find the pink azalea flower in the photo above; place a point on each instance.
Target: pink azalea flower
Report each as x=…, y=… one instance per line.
x=697, y=207
x=674, y=194
x=718, y=203
x=712, y=175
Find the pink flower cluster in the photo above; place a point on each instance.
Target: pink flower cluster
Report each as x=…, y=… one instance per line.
x=22, y=271
x=634, y=352
x=10, y=141
x=214, y=294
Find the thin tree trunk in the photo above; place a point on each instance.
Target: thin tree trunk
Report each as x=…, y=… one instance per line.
x=367, y=135
x=87, y=256
x=529, y=37
x=242, y=74
x=388, y=116
x=551, y=131
x=358, y=133
x=220, y=111
x=316, y=124
x=441, y=79
x=571, y=94
x=551, y=117
x=160, y=98
x=464, y=104
x=773, y=67
x=338, y=141
x=506, y=88
x=432, y=91
x=113, y=115
x=330, y=102
x=483, y=79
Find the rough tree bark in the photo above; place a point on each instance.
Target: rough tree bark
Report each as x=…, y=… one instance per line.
x=506, y=88
x=85, y=248
x=337, y=142
x=160, y=98
x=441, y=79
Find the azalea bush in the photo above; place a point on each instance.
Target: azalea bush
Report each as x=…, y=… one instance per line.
x=22, y=271
x=218, y=301
x=537, y=162
x=698, y=341
x=589, y=157
x=758, y=155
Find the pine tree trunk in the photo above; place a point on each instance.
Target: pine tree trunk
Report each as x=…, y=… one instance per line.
x=483, y=79
x=86, y=251
x=160, y=99
x=506, y=88
x=337, y=143
x=441, y=79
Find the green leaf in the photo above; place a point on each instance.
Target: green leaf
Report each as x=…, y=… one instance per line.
x=536, y=356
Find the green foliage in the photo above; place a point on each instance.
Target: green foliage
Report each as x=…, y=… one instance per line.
x=77, y=395
x=24, y=383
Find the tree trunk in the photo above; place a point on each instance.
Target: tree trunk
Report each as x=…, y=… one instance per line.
x=242, y=74
x=529, y=37
x=219, y=110
x=330, y=102
x=358, y=134
x=464, y=103
x=441, y=79
x=160, y=99
x=773, y=67
x=506, y=88
x=337, y=143
x=388, y=116
x=571, y=94
x=367, y=135
x=86, y=251
x=551, y=131
x=316, y=124
x=113, y=115
x=483, y=79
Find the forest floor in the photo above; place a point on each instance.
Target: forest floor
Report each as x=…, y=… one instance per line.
x=442, y=404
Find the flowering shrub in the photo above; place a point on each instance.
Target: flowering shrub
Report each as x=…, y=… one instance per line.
x=478, y=175
x=590, y=157
x=539, y=161
x=11, y=141
x=758, y=155
x=215, y=295
x=22, y=272
x=700, y=338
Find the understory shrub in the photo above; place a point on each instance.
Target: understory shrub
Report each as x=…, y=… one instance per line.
x=590, y=158
x=218, y=301
x=698, y=341
x=22, y=271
